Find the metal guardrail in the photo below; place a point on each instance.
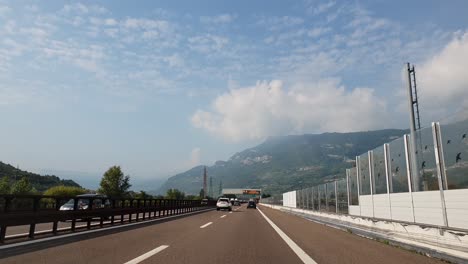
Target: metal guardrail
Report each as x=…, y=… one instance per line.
x=18, y=210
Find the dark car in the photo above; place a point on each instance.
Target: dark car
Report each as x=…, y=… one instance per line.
x=252, y=204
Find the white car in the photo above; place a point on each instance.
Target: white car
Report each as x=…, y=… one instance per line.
x=223, y=203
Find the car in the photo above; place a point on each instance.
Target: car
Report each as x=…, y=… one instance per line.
x=223, y=204
x=204, y=202
x=99, y=201
x=252, y=204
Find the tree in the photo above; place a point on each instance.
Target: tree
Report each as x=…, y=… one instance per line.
x=5, y=185
x=202, y=193
x=22, y=187
x=67, y=191
x=114, y=183
x=175, y=194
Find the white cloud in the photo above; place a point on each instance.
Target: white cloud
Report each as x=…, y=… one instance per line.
x=195, y=157
x=443, y=79
x=207, y=43
x=268, y=109
x=321, y=8
x=279, y=23
x=318, y=31
x=175, y=60
x=83, y=9
x=4, y=10
x=110, y=22
x=219, y=19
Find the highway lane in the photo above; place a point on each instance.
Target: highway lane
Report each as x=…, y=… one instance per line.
x=243, y=236
x=329, y=245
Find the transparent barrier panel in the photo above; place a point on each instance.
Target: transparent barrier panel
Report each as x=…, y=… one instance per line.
x=398, y=166
x=455, y=147
x=331, y=197
x=298, y=199
x=425, y=159
x=364, y=174
x=342, y=198
x=315, y=194
x=353, y=187
x=380, y=178
x=309, y=198
x=323, y=197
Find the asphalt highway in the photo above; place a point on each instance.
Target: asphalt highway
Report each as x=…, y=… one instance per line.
x=241, y=236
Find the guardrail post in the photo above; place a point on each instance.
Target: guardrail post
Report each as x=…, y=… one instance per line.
x=4, y=227
x=75, y=207
x=370, y=155
x=55, y=224
x=409, y=171
x=441, y=173
x=122, y=205
x=113, y=209
x=138, y=210
x=131, y=211
x=336, y=198
x=2, y=233
x=90, y=207
x=32, y=227
x=103, y=203
x=143, y=207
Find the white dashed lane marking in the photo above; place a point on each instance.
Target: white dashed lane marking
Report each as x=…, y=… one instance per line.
x=147, y=255
x=205, y=225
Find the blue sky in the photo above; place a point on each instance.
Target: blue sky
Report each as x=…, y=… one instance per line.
x=160, y=86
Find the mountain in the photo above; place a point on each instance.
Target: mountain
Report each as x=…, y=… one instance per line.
x=285, y=163
x=39, y=182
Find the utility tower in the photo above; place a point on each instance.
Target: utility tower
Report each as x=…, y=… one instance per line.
x=415, y=126
x=220, y=188
x=204, y=183
x=211, y=187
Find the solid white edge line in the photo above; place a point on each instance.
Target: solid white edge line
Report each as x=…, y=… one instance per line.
x=223, y=216
x=205, y=225
x=299, y=252
x=147, y=255
x=95, y=230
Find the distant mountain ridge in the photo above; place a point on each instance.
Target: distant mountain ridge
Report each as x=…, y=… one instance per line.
x=285, y=163
x=39, y=182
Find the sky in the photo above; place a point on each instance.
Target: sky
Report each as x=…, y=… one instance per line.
x=158, y=87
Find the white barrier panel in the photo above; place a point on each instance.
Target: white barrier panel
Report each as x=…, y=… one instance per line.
x=365, y=201
x=428, y=208
x=354, y=210
x=456, y=203
x=382, y=206
x=289, y=199
x=401, y=207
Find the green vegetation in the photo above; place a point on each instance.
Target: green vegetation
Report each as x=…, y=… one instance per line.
x=114, y=183
x=175, y=194
x=23, y=187
x=38, y=182
x=19, y=187
x=5, y=185
x=286, y=163
x=67, y=191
